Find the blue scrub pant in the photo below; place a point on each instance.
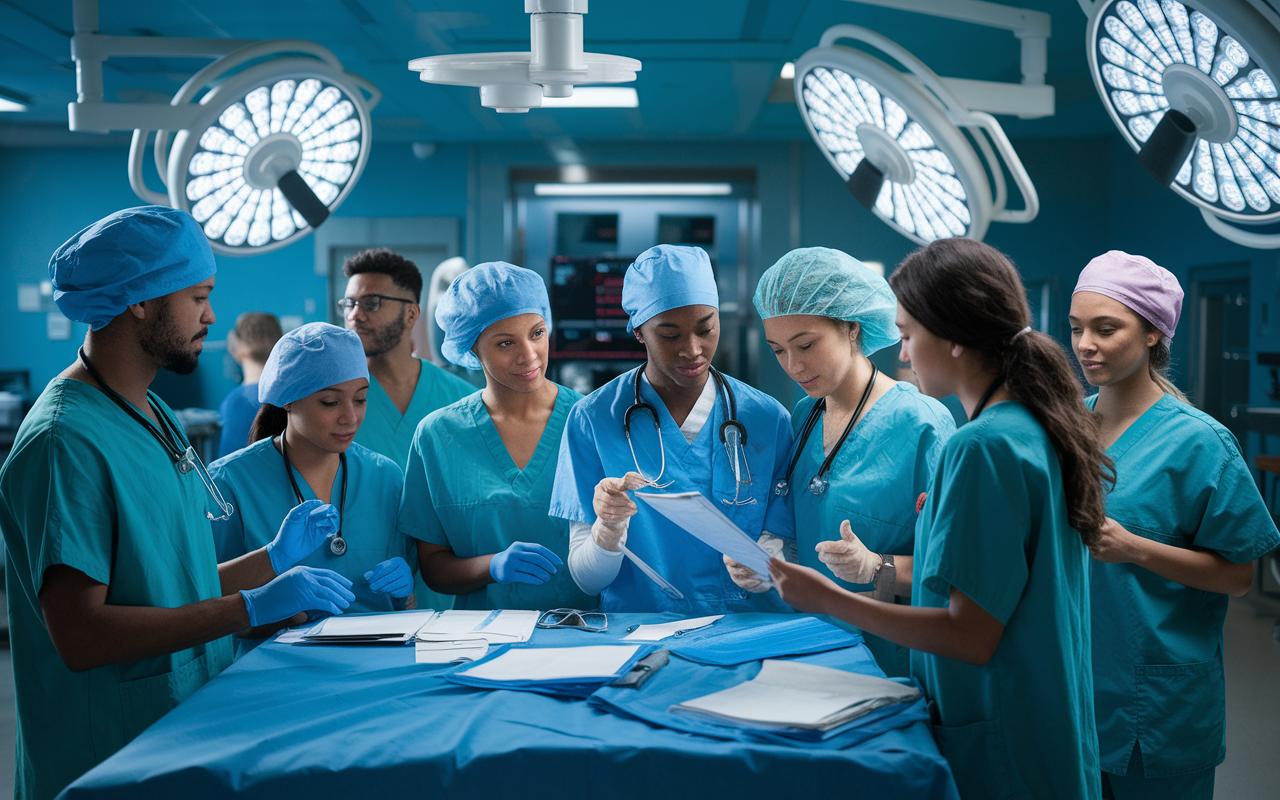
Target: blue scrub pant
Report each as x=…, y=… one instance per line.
x=1192, y=786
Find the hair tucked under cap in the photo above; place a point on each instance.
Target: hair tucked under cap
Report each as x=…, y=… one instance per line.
x=485, y=294
x=1149, y=289
x=133, y=255
x=665, y=277
x=307, y=359
x=829, y=283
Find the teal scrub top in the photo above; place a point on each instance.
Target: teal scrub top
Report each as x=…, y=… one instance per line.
x=464, y=492
x=994, y=526
x=594, y=447
x=255, y=482
x=1157, y=644
x=88, y=487
x=385, y=430
x=876, y=481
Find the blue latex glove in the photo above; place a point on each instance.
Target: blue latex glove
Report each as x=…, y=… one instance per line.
x=299, y=589
x=392, y=577
x=524, y=562
x=305, y=528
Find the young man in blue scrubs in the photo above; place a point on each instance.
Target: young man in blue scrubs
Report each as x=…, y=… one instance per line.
x=118, y=609
x=689, y=425
x=1185, y=522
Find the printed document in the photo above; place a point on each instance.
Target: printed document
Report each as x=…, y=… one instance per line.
x=702, y=520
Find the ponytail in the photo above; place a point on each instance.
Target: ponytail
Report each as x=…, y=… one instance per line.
x=1158, y=360
x=270, y=421
x=969, y=293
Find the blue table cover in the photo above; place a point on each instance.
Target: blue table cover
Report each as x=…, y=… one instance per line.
x=342, y=722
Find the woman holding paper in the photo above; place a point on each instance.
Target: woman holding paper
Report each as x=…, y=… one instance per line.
x=313, y=393
x=673, y=425
x=999, y=624
x=866, y=445
x=480, y=471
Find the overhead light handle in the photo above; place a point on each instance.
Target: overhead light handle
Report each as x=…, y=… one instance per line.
x=1030, y=198
x=1258, y=241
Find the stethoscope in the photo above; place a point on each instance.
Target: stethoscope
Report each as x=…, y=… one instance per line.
x=170, y=438
x=733, y=435
x=337, y=544
x=818, y=484
x=986, y=397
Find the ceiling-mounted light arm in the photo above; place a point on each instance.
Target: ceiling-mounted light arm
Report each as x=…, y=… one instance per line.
x=1031, y=200
x=1258, y=241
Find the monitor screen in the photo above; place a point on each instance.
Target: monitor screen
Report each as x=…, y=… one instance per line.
x=586, y=309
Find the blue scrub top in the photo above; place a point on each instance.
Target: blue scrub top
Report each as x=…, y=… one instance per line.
x=995, y=528
x=88, y=487
x=594, y=447
x=238, y=409
x=254, y=481
x=1157, y=644
x=463, y=491
x=388, y=432
x=876, y=481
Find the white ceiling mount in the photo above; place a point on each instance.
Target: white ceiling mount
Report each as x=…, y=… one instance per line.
x=1192, y=88
x=262, y=157
x=513, y=83
x=908, y=146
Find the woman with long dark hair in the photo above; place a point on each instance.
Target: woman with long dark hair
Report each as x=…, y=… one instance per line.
x=999, y=621
x=1185, y=521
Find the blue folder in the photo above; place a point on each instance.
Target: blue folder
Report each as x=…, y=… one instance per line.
x=735, y=640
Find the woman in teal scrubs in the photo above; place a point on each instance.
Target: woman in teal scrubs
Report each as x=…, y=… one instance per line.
x=999, y=621
x=480, y=471
x=313, y=390
x=1185, y=521
x=866, y=445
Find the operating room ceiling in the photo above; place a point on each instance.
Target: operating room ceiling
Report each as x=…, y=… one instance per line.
x=709, y=65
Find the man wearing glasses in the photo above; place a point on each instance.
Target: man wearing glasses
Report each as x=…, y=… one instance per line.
x=381, y=305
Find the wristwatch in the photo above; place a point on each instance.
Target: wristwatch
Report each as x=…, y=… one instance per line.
x=885, y=579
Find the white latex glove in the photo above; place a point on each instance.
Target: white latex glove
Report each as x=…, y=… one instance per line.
x=614, y=509
x=748, y=579
x=849, y=559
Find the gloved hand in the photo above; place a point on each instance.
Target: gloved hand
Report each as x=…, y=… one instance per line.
x=304, y=529
x=614, y=509
x=392, y=577
x=299, y=589
x=524, y=562
x=849, y=559
x=746, y=578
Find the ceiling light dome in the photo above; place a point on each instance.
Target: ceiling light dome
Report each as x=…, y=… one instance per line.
x=904, y=143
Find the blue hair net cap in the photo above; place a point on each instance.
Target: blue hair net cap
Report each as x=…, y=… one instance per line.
x=485, y=294
x=133, y=255
x=828, y=283
x=665, y=277
x=310, y=358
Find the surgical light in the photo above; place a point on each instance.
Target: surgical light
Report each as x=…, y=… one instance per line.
x=513, y=83
x=1191, y=87
x=259, y=146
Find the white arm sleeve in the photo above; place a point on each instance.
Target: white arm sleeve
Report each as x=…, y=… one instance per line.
x=591, y=566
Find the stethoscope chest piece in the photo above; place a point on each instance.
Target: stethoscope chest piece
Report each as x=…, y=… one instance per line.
x=818, y=486
x=337, y=545
x=187, y=461
x=782, y=488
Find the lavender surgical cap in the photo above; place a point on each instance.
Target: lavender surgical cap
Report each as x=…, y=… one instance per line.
x=1150, y=290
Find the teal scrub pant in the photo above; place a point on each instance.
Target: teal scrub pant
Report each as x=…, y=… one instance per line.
x=1192, y=786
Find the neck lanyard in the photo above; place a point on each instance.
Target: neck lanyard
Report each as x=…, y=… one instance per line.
x=818, y=484
x=986, y=397
x=170, y=438
x=337, y=544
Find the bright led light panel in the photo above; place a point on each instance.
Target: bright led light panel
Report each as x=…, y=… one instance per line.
x=326, y=123
x=935, y=204
x=1135, y=42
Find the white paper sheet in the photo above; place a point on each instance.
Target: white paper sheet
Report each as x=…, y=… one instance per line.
x=401, y=624
x=555, y=663
x=449, y=652
x=295, y=635
x=660, y=631
x=495, y=627
x=699, y=516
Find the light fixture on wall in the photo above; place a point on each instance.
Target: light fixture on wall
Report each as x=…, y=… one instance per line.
x=1192, y=88
x=262, y=157
x=513, y=83
x=915, y=148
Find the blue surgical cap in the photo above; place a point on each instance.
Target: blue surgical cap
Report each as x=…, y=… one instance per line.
x=665, y=277
x=133, y=255
x=828, y=283
x=481, y=296
x=307, y=359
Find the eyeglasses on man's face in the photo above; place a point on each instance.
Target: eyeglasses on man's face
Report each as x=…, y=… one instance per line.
x=369, y=303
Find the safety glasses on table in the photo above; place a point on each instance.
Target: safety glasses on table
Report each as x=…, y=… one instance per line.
x=593, y=621
x=370, y=303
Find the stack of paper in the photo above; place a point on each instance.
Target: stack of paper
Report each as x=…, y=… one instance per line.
x=494, y=627
x=803, y=699
x=701, y=519
x=568, y=671
x=662, y=630
x=394, y=628
x=449, y=652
